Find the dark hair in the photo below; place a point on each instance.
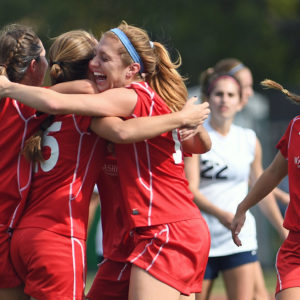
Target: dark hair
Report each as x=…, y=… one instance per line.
x=19, y=45
x=211, y=79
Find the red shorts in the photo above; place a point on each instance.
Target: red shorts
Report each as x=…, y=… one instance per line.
x=288, y=263
x=8, y=275
x=111, y=281
x=174, y=253
x=52, y=266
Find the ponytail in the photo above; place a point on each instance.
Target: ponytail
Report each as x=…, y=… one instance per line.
x=166, y=80
x=270, y=84
x=158, y=69
x=33, y=145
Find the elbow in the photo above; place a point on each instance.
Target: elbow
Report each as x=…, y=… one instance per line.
x=121, y=136
x=207, y=146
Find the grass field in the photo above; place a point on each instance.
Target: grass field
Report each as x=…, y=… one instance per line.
x=218, y=289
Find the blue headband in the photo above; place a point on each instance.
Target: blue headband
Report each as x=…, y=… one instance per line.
x=129, y=47
x=235, y=69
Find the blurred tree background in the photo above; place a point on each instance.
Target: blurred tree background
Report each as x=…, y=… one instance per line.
x=262, y=33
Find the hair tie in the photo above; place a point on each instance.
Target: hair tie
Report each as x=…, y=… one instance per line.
x=285, y=91
x=235, y=69
x=57, y=63
x=129, y=47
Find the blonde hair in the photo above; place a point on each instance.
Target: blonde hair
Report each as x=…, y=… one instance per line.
x=69, y=56
x=19, y=45
x=270, y=84
x=159, y=70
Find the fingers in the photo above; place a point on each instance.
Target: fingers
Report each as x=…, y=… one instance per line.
x=235, y=230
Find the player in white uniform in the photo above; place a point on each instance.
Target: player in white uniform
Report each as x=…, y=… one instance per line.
x=234, y=160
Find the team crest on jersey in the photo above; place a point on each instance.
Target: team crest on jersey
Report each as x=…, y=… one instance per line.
x=110, y=169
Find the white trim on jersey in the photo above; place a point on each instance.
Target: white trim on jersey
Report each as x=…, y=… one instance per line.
x=166, y=229
x=150, y=187
x=277, y=272
x=73, y=241
x=26, y=186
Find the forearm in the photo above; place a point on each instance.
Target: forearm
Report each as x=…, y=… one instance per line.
x=200, y=143
x=35, y=97
x=263, y=186
x=205, y=205
x=110, y=103
x=83, y=86
x=136, y=129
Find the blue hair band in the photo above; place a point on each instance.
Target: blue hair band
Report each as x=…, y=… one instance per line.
x=129, y=47
x=235, y=69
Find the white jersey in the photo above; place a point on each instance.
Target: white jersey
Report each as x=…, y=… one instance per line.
x=224, y=181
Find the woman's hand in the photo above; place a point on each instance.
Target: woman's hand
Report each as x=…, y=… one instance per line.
x=195, y=114
x=236, y=226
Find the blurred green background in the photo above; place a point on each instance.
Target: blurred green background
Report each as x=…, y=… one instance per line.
x=262, y=33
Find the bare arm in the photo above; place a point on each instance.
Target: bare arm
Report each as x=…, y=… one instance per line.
x=269, y=179
x=192, y=171
x=84, y=86
x=113, y=102
x=199, y=143
x=268, y=205
x=282, y=196
x=139, y=129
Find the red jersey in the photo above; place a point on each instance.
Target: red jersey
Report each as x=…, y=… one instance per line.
x=116, y=239
x=62, y=185
x=152, y=172
x=289, y=146
x=17, y=123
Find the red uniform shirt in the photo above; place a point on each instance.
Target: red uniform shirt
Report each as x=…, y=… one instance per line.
x=62, y=185
x=116, y=239
x=289, y=146
x=17, y=123
x=152, y=172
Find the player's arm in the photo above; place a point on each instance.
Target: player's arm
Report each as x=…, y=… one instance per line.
x=199, y=143
x=139, y=129
x=113, y=102
x=192, y=171
x=269, y=179
x=268, y=205
x=83, y=86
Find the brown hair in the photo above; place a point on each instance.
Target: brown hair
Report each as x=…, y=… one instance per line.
x=270, y=84
x=211, y=78
x=69, y=56
x=159, y=71
x=19, y=45
x=228, y=66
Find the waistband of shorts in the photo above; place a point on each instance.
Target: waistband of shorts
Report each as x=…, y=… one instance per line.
x=294, y=236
